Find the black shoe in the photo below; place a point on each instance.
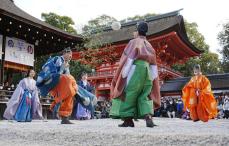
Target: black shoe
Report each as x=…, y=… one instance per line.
x=149, y=121
x=127, y=123
x=65, y=120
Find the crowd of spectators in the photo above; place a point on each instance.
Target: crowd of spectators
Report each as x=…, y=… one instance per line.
x=223, y=106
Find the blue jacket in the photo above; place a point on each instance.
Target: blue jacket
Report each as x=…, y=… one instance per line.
x=48, y=78
x=88, y=87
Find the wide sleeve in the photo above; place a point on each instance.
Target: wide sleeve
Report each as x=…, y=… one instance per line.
x=130, y=52
x=207, y=98
x=118, y=83
x=36, y=90
x=155, y=94
x=128, y=48
x=22, y=84
x=185, y=96
x=18, y=92
x=152, y=59
x=58, y=62
x=188, y=91
x=122, y=62
x=14, y=101
x=154, y=71
x=206, y=86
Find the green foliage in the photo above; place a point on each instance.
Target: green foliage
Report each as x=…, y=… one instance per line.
x=65, y=23
x=95, y=25
x=209, y=63
x=92, y=32
x=223, y=38
x=195, y=37
x=62, y=22
x=94, y=41
x=39, y=62
x=76, y=69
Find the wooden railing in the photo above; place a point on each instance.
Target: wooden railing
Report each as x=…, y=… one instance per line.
x=100, y=74
x=46, y=101
x=5, y=95
x=162, y=69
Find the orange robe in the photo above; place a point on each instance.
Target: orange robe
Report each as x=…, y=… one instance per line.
x=63, y=93
x=203, y=106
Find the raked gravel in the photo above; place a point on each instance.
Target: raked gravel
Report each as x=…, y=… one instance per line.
x=105, y=132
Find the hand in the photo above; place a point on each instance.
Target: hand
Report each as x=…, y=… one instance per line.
x=66, y=64
x=197, y=92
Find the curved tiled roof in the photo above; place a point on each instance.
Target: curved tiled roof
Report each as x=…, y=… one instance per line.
x=8, y=8
x=218, y=82
x=158, y=25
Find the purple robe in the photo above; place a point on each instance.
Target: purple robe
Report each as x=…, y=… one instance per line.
x=13, y=103
x=82, y=112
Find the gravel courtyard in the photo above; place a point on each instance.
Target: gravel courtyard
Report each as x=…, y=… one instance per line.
x=105, y=132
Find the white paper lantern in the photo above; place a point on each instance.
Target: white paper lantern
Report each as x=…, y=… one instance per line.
x=116, y=25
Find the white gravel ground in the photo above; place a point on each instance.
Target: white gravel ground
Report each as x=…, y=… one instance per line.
x=106, y=132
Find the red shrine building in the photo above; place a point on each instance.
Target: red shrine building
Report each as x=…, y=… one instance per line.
x=166, y=34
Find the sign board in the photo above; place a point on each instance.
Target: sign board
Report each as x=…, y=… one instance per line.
x=19, y=51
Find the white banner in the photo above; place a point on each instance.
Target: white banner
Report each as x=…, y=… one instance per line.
x=1, y=39
x=19, y=51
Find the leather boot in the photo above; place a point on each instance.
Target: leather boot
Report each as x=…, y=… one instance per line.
x=128, y=122
x=149, y=121
x=65, y=120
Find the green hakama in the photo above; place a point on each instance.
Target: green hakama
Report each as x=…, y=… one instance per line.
x=136, y=103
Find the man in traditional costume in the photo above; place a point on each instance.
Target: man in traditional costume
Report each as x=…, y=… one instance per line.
x=135, y=87
x=54, y=67
x=55, y=79
x=24, y=105
x=63, y=94
x=198, y=98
